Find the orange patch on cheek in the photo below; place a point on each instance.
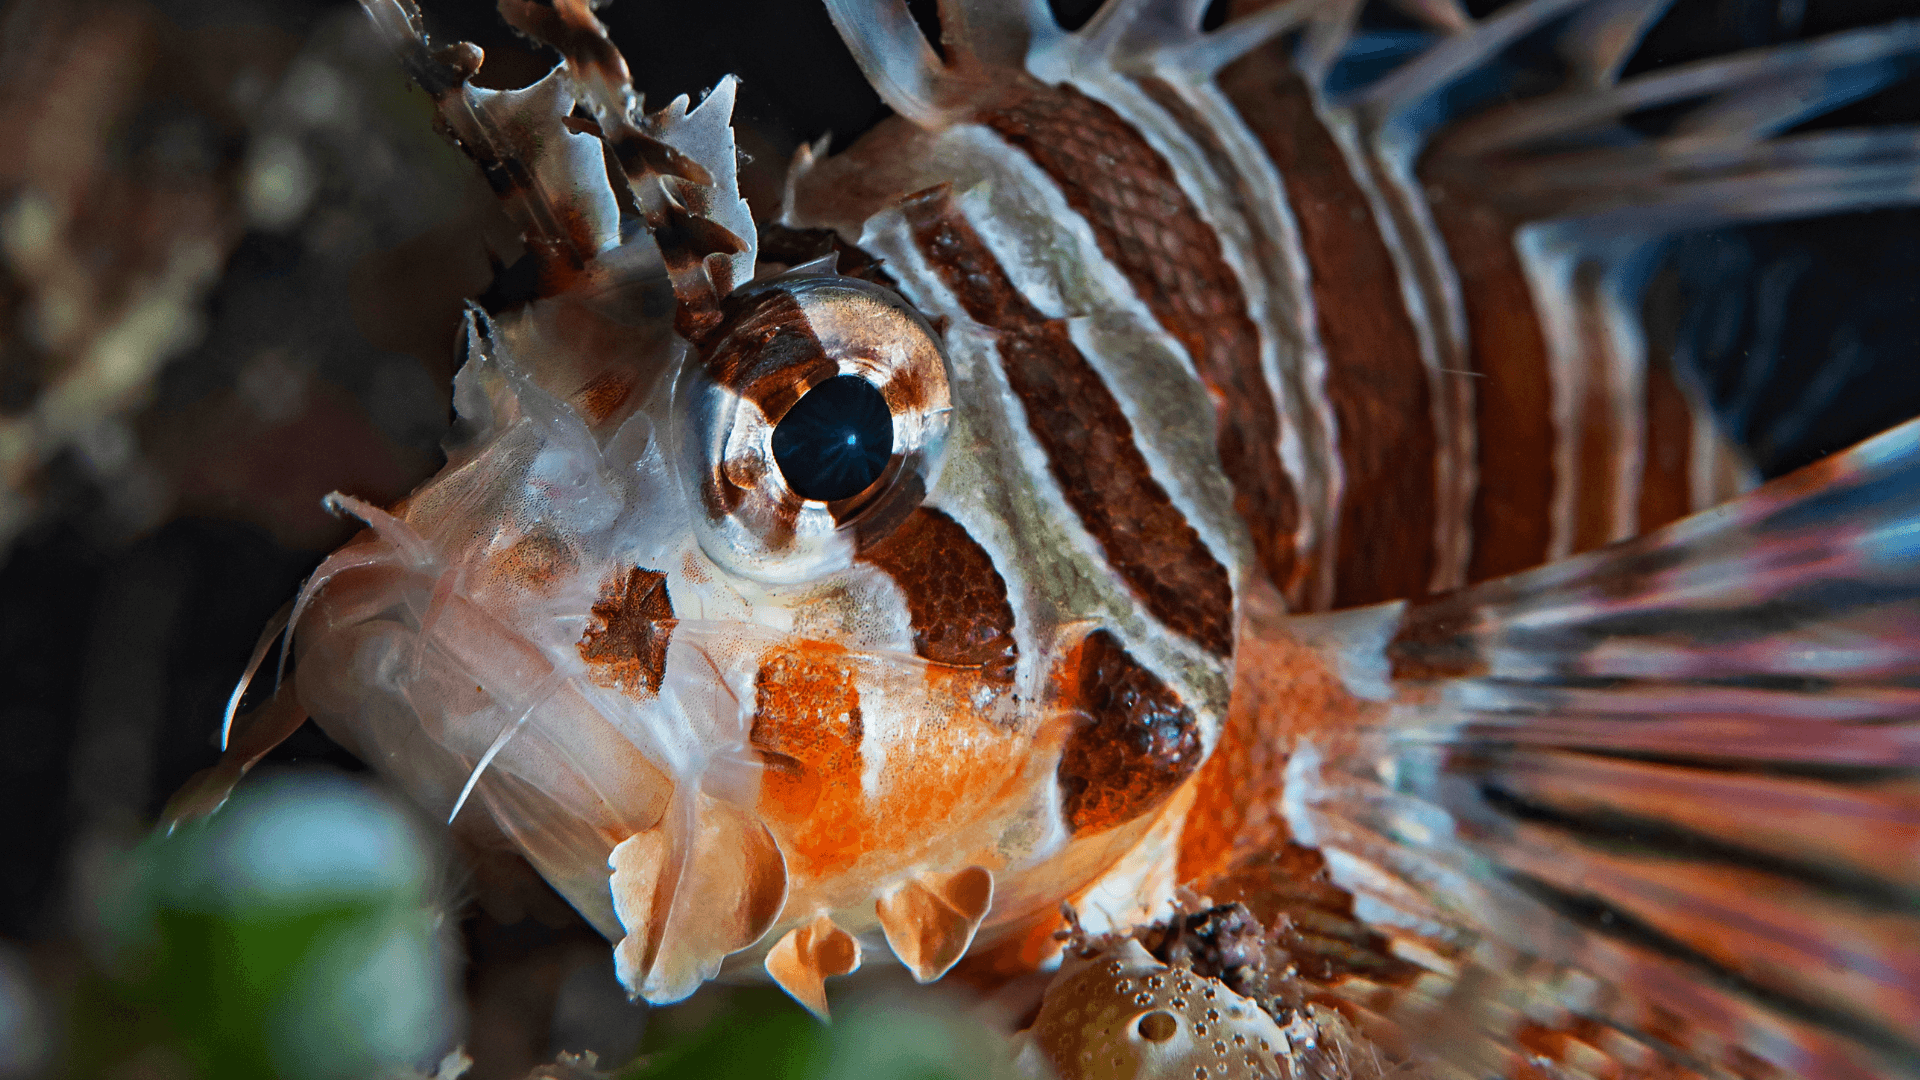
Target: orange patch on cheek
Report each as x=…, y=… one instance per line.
x=950, y=770
x=807, y=722
x=937, y=789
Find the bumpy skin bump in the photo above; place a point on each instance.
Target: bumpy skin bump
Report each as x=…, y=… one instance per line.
x=627, y=650
x=1137, y=743
x=1122, y=1015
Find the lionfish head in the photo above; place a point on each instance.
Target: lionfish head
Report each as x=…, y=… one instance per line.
x=721, y=613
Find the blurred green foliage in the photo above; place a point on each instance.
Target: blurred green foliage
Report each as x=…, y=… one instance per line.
x=290, y=935
x=760, y=1033
x=295, y=935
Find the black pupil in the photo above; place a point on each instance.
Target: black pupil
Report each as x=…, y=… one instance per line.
x=835, y=440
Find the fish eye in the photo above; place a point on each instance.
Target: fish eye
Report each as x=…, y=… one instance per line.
x=809, y=424
x=835, y=441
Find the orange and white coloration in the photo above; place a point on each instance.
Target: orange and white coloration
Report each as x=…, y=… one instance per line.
x=1172, y=347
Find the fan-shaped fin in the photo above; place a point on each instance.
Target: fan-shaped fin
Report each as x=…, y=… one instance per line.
x=930, y=920
x=1665, y=795
x=806, y=956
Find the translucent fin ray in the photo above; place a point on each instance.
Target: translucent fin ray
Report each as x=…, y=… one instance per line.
x=896, y=59
x=1456, y=56
x=1667, y=792
x=679, y=165
x=255, y=737
x=995, y=33
x=268, y=635
x=1208, y=53
x=1660, y=189
x=1808, y=66
x=1599, y=40
x=1446, y=16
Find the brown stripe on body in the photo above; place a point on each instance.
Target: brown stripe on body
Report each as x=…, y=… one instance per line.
x=955, y=598
x=1513, y=401
x=1136, y=743
x=1267, y=251
x=1376, y=379
x=1148, y=227
x=1087, y=439
x=1666, y=489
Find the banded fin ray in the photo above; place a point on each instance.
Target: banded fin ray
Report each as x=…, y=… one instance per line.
x=678, y=164
x=1660, y=799
x=518, y=139
x=1726, y=156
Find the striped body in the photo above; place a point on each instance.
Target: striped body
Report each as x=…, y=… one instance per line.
x=1175, y=351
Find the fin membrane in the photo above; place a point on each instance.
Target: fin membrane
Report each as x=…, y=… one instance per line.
x=1659, y=803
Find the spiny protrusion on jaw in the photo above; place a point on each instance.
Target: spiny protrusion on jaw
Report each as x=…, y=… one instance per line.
x=806, y=956
x=705, y=882
x=930, y=920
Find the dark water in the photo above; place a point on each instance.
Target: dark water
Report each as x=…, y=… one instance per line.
x=328, y=349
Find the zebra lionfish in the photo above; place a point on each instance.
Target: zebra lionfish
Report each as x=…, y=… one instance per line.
x=1137, y=467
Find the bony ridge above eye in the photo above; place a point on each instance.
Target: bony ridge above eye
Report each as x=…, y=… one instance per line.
x=809, y=424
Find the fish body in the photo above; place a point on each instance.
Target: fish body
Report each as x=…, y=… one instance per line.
x=876, y=579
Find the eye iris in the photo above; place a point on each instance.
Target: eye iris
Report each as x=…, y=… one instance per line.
x=836, y=440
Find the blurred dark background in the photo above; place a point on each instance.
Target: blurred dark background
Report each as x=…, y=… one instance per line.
x=242, y=290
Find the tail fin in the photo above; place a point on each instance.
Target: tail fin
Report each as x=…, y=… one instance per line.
x=1655, y=807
